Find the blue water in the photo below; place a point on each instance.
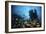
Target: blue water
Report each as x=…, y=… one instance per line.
x=23, y=11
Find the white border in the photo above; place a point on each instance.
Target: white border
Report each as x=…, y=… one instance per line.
x=25, y=29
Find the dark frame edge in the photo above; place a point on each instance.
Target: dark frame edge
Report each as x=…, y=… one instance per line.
x=6, y=17
x=26, y=2
x=44, y=16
